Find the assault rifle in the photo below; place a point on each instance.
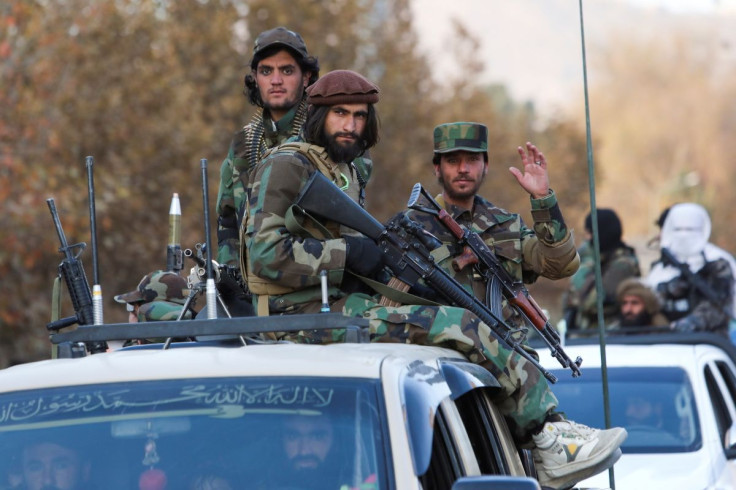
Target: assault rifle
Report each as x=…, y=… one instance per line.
x=402, y=243
x=76, y=282
x=499, y=281
x=701, y=286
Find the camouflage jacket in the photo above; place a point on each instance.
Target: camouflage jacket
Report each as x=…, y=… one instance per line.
x=547, y=250
x=689, y=309
x=283, y=257
x=246, y=149
x=581, y=298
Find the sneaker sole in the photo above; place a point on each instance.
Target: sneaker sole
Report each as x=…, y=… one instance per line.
x=568, y=481
x=576, y=466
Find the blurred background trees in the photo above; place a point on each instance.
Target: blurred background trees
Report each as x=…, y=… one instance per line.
x=148, y=88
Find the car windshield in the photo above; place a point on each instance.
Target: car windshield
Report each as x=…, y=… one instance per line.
x=226, y=433
x=654, y=404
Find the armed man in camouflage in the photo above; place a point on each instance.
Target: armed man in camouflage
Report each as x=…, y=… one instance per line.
x=460, y=165
x=618, y=263
x=281, y=70
x=159, y=296
x=286, y=251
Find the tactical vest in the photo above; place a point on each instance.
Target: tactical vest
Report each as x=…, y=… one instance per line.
x=296, y=221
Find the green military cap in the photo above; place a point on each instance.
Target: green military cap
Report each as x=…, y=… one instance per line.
x=160, y=311
x=466, y=136
x=156, y=286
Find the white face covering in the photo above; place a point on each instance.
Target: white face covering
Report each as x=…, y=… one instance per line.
x=685, y=233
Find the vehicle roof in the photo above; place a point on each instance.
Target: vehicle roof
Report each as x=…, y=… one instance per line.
x=643, y=350
x=282, y=359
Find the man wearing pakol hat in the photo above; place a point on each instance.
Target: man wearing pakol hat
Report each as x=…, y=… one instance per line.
x=279, y=72
x=285, y=256
x=159, y=296
x=461, y=163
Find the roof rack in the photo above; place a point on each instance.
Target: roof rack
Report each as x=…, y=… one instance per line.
x=356, y=329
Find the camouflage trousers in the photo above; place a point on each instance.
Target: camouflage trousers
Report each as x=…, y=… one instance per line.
x=527, y=399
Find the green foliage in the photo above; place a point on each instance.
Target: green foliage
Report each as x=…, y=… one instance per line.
x=150, y=88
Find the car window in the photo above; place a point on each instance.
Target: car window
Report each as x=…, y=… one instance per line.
x=728, y=377
x=483, y=433
x=257, y=432
x=445, y=465
x=720, y=407
x=655, y=404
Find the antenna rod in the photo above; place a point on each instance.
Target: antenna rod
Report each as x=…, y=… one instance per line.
x=96, y=288
x=596, y=245
x=211, y=291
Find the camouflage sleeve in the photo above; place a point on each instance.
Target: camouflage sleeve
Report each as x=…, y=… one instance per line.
x=275, y=253
x=550, y=250
x=622, y=266
x=227, y=221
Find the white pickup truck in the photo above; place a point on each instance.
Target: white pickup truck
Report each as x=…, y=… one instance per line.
x=676, y=396
x=222, y=410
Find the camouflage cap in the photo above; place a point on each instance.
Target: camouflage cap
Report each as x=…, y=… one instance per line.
x=465, y=136
x=157, y=286
x=279, y=36
x=157, y=311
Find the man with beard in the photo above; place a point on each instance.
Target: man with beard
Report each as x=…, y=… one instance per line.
x=638, y=305
x=461, y=165
x=310, y=452
x=51, y=466
x=287, y=251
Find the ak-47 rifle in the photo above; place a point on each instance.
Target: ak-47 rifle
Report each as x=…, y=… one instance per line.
x=76, y=282
x=402, y=242
x=695, y=280
x=499, y=281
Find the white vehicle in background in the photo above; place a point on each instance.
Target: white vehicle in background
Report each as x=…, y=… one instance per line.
x=164, y=415
x=676, y=396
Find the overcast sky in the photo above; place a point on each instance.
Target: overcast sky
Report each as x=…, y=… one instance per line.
x=534, y=46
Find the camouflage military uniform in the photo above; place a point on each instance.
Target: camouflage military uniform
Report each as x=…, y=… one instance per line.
x=616, y=265
x=246, y=150
x=548, y=250
x=618, y=262
x=287, y=261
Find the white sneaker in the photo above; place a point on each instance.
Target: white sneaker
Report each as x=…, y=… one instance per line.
x=569, y=481
x=565, y=448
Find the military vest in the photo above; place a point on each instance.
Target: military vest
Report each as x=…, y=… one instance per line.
x=296, y=221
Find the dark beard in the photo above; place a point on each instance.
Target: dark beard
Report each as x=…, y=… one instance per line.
x=316, y=478
x=339, y=153
x=459, y=196
x=643, y=319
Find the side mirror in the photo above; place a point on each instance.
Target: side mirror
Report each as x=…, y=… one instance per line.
x=730, y=452
x=496, y=482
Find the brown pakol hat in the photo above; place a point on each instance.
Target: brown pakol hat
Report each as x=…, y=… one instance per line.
x=342, y=87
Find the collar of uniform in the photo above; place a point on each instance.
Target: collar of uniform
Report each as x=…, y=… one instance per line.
x=278, y=129
x=484, y=214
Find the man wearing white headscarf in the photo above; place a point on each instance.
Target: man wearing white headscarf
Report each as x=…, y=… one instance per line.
x=685, y=235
